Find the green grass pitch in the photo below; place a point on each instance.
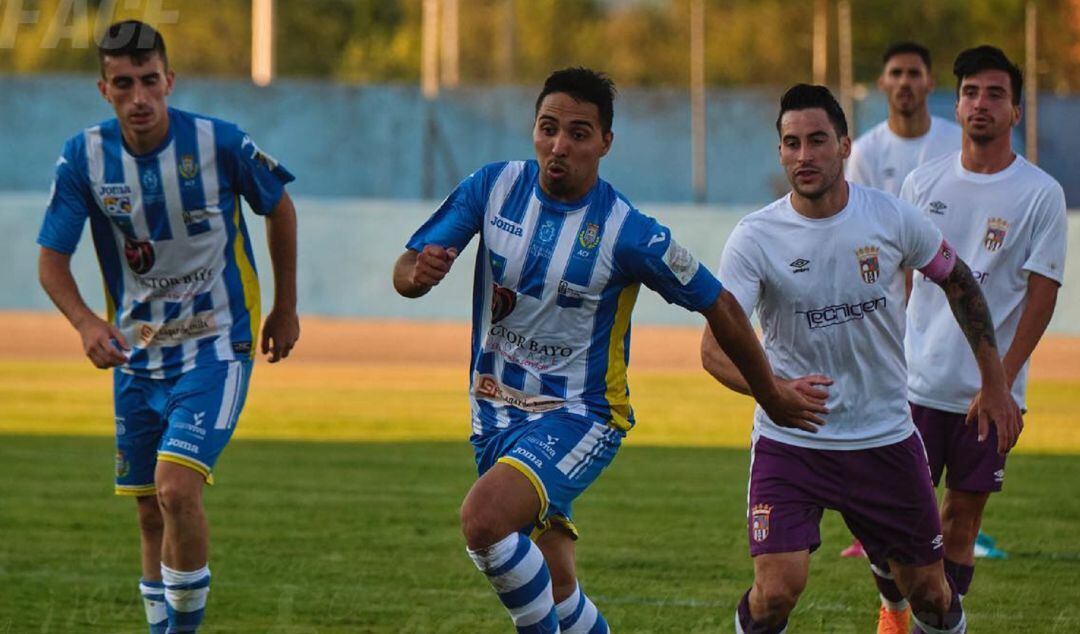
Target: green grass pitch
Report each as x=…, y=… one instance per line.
x=313, y=537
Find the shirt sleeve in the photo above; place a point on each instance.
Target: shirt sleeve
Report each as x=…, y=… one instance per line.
x=68, y=207
x=737, y=270
x=646, y=252
x=1046, y=254
x=460, y=216
x=858, y=169
x=260, y=178
x=908, y=192
x=921, y=240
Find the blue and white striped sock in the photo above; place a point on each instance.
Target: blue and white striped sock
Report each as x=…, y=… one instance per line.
x=185, y=598
x=153, y=596
x=578, y=615
x=516, y=569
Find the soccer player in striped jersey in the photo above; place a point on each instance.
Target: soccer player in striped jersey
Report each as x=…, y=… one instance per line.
x=161, y=189
x=561, y=258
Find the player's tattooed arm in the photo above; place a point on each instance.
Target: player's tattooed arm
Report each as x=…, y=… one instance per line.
x=969, y=307
x=993, y=404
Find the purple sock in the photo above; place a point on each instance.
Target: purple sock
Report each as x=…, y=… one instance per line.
x=961, y=575
x=747, y=624
x=887, y=587
x=951, y=621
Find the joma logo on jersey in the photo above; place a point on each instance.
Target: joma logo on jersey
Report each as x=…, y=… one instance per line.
x=869, y=266
x=113, y=189
x=996, y=228
x=938, y=207
x=507, y=226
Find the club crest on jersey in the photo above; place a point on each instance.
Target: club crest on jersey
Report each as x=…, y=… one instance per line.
x=759, y=521
x=996, y=228
x=503, y=301
x=869, y=267
x=139, y=255
x=589, y=236
x=150, y=181
x=188, y=168
x=547, y=231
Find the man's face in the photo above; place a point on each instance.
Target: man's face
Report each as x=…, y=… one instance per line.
x=137, y=92
x=810, y=152
x=569, y=142
x=906, y=81
x=984, y=106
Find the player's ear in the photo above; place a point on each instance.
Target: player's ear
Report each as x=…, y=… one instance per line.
x=845, y=147
x=881, y=81
x=1018, y=111
x=608, y=138
x=170, y=79
x=103, y=89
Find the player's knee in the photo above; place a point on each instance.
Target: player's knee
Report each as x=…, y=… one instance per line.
x=777, y=598
x=177, y=499
x=959, y=530
x=930, y=596
x=479, y=526
x=562, y=587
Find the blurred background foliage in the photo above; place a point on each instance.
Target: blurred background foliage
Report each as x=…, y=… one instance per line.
x=640, y=42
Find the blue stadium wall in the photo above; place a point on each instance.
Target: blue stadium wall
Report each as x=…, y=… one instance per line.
x=387, y=142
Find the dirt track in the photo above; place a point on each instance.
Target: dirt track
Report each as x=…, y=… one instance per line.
x=48, y=336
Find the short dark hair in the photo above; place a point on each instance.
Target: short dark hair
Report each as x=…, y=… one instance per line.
x=806, y=97
x=985, y=57
x=583, y=84
x=907, y=48
x=134, y=39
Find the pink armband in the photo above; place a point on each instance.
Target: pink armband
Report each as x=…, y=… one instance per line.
x=939, y=268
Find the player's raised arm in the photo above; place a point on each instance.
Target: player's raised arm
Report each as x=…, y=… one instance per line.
x=995, y=405
x=739, y=358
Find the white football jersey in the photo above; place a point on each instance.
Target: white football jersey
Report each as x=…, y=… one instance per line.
x=830, y=296
x=882, y=159
x=1005, y=226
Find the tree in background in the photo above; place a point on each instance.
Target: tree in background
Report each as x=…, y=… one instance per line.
x=640, y=42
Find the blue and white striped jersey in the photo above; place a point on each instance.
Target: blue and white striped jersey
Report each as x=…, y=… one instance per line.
x=555, y=284
x=180, y=280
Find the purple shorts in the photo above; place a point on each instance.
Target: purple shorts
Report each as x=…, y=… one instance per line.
x=884, y=495
x=953, y=445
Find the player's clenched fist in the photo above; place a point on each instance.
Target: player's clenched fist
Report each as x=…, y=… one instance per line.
x=416, y=272
x=432, y=264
